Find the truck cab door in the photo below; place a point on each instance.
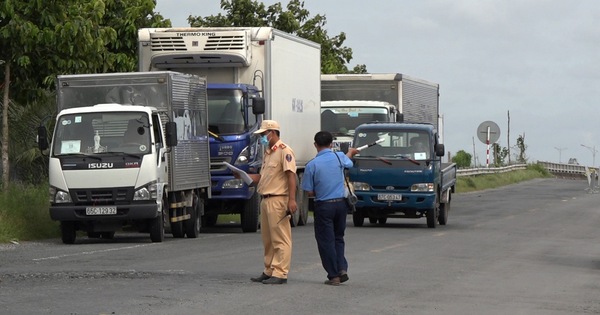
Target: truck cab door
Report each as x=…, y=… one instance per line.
x=160, y=149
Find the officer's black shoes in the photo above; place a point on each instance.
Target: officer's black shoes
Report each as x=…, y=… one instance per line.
x=260, y=278
x=275, y=280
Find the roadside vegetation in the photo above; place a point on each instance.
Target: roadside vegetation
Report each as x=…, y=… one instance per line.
x=24, y=209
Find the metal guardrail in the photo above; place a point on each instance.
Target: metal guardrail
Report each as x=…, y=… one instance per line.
x=567, y=168
x=554, y=168
x=489, y=170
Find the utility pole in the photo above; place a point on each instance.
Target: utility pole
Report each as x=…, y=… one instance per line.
x=559, y=153
x=508, y=136
x=593, y=150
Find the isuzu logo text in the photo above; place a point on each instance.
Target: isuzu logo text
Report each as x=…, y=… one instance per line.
x=100, y=165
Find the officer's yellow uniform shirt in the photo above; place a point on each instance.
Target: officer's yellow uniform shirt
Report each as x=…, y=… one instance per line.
x=277, y=160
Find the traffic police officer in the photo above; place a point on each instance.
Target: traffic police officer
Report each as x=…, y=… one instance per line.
x=277, y=186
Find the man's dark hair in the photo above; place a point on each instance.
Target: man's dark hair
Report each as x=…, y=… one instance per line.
x=323, y=138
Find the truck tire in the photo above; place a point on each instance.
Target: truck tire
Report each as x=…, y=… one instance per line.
x=296, y=216
x=107, y=235
x=176, y=227
x=382, y=220
x=209, y=219
x=431, y=219
x=192, y=225
x=358, y=218
x=302, y=199
x=372, y=220
x=249, y=216
x=157, y=226
x=68, y=232
x=444, y=209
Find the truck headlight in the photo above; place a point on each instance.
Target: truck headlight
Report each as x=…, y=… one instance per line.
x=59, y=196
x=233, y=184
x=243, y=158
x=422, y=187
x=361, y=186
x=146, y=192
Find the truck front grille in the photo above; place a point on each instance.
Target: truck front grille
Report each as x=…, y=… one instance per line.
x=101, y=196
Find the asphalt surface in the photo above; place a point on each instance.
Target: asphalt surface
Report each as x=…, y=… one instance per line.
x=529, y=248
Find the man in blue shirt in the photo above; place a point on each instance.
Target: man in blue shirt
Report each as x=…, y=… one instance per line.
x=324, y=180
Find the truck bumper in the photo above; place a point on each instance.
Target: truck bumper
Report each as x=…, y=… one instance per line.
x=412, y=204
x=124, y=212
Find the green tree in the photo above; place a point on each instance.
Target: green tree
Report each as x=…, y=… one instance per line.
x=462, y=159
x=295, y=20
x=522, y=156
x=499, y=154
x=41, y=39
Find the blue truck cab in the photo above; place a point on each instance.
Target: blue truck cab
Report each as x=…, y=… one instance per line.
x=232, y=119
x=399, y=174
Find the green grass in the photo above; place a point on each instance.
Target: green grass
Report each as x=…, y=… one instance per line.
x=24, y=211
x=24, y=214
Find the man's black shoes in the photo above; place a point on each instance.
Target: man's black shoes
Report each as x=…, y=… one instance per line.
x=275, y=280
x=260, y=278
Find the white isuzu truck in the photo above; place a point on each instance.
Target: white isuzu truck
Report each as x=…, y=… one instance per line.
x=129, y=149
x=244, y=65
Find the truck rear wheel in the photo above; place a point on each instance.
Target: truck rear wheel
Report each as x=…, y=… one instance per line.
x=209, y=219
x=444, y=209
x=192, y=225
x=68, y=232
x=249, y=216
x=176, y=227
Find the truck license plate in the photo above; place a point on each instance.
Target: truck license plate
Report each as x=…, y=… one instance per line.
x=389, y=197
x=100, y=210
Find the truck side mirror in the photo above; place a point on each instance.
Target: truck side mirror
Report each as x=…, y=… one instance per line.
x=42, y=138
x=171, y=136
x=439, y=149
x=399, y=117
x=258, y=105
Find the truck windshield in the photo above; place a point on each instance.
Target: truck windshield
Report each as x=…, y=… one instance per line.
x=226, y=112
x=406, y=143
x=94, y=133
x=343, y=120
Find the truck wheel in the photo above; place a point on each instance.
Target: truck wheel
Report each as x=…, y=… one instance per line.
x=382, y=220
x=249, y=216
x=296, y=216
x=302, y=196
x=358, y=218
x=157, y=226
x=93, y=234
x=431, y=219
x=107, y=235
x=209, y=220
x=192, y=225
x=176, y=227
x=444, y=209
x=372, y=220
x=68, y=232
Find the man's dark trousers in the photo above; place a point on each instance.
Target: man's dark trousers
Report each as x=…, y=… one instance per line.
x=330, y=224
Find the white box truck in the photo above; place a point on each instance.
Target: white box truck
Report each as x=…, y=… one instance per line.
x=129, y=149
x=416, y=100
x=342, y=117
x=244, y=65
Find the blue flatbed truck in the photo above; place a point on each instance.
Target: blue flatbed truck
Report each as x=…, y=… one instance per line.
x=402, y=176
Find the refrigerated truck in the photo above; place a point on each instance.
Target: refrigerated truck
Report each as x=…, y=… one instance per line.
x=416, y=100
x=342, y=117
x=245, y=67
x=128, y=149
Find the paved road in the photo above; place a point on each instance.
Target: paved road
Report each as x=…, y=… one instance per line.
x=530, y=248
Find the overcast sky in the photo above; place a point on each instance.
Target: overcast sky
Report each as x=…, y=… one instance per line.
x=537, y=60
